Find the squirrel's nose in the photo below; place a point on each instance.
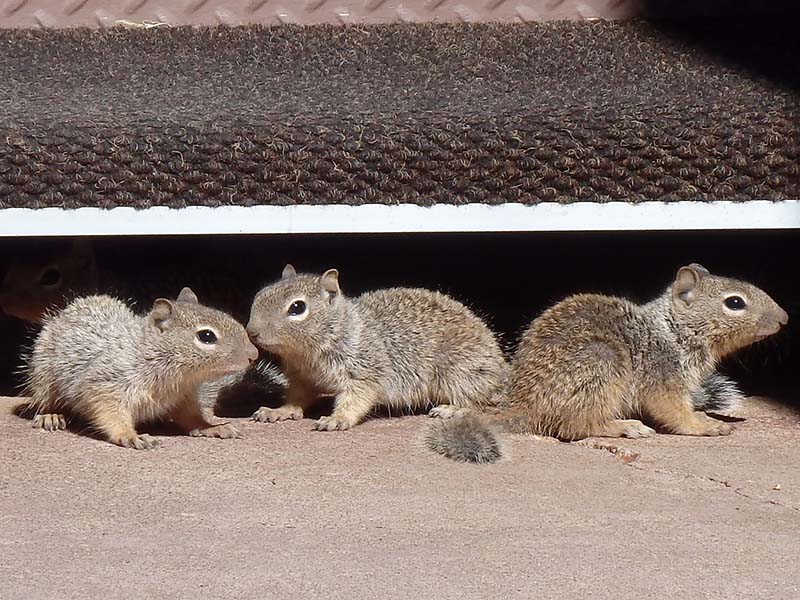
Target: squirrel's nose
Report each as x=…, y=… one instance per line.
x=252, y=332
x=252, y=353
x=783, y=317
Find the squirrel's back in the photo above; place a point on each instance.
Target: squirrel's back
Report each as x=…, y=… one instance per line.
x=586, y=342
x=426, y=325
x=96, y=320
x=435, y=346
x=94, y=336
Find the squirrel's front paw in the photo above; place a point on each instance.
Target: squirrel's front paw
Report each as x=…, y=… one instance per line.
x=705, y=426
x=719, y=428
x=634, y=429
x=138, y=442
x=332, y=423
x=446, y=411
x=273, y=415
x=49, y=422
x=225, y=431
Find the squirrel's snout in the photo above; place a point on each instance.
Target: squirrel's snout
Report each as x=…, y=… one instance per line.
x=771, y=322
x=252, y=353
x=252, y=332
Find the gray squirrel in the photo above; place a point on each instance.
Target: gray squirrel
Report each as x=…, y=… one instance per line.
x=597, y=365
x=97, y=360
x=401, y=348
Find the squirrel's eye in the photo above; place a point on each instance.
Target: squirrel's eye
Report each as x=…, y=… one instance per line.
x=735, y=303
x=50, y=277
x=298, y=307
x=207, y=336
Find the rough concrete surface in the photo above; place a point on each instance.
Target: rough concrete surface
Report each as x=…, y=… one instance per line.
x=288, y=512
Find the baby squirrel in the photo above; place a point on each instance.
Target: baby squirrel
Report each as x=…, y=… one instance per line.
x=44, y=278
x=594, y=365
x=398, y=348
x=41, y=280
x=98, y=360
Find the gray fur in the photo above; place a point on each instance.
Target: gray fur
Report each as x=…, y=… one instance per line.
x=464, y=438
x=241, y=393
x=98, y=360
x=398, y=348
x=719, y=394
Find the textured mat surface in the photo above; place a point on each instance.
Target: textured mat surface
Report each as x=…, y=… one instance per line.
x=424, y=114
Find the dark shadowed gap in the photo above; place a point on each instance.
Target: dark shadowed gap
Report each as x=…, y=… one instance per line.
x=508, y=278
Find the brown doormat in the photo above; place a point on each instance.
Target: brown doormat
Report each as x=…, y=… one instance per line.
x=424, y=114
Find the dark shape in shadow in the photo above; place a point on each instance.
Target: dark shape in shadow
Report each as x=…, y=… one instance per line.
x=726, y=418
x=760, y=37
x=260, y=385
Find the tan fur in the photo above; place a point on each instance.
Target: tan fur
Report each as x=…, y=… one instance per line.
x=596, y=365
x=99, y=361
x=399, y=348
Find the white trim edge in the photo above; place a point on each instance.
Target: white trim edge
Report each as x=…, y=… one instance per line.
x=403, y=218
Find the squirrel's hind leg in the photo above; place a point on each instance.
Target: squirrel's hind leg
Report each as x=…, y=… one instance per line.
x=627, y=428
x=672, y=411
x=110, y=418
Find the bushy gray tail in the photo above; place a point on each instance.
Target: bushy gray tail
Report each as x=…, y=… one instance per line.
x=240, y=394
x=718, y=393
x=464, y=438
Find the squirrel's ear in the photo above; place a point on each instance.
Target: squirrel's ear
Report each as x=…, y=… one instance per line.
x=329, y=282
x=162, y=313
x=699, y=269
x=686, y=281
x=288, y=271
x=188, y=296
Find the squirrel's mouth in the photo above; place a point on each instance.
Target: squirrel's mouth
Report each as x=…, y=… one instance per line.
x=237, y=368
x=766, y=331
